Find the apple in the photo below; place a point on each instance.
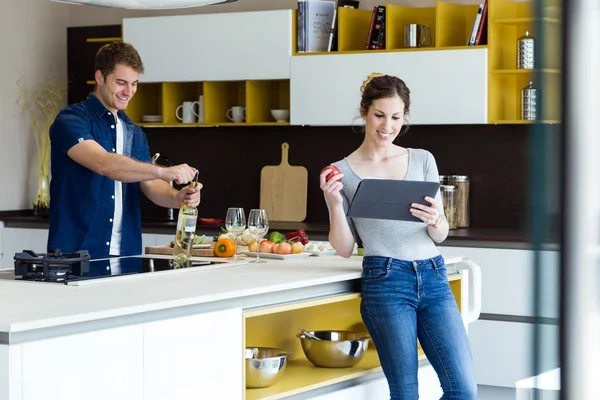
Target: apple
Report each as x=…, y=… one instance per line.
x=283, y=248
x=266, y=246
x=334, y=171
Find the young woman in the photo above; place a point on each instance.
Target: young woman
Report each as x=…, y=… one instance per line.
x=405, y=291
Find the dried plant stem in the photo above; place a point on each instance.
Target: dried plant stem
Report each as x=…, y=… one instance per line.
x=42, y=104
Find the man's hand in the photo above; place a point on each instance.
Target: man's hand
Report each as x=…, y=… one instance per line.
x=189, y=196
x=180, y=174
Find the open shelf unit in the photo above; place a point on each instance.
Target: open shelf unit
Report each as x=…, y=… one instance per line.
x=509, y=20
x=259, y=97
x=276, y=326
x=450, y=26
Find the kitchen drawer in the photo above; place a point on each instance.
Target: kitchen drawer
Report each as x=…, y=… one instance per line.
x=503, y=351
x=325, y=89
x=507, y=280
x=203, y=47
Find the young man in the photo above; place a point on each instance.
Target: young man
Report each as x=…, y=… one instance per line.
x=100, y=161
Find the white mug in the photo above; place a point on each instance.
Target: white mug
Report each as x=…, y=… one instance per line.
x=189, y=115
x=200, y=104
x=236, y=114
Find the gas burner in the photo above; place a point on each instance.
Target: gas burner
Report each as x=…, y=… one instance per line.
x=50, y=267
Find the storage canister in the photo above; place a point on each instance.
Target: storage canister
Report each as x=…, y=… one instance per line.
x=449, y=202
x=526, y=52
x=462, y=198
x=529, y=102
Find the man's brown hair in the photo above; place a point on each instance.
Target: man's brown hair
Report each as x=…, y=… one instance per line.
x=111, y=54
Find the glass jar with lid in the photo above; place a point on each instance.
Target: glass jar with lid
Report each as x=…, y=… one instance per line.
x=449, y=196
x=462, y=198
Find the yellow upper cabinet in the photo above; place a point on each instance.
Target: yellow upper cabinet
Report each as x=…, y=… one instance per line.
x=212, y=47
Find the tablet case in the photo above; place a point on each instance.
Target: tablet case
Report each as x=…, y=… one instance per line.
x=390, y=198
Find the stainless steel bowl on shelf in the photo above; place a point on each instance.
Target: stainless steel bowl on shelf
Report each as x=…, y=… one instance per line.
x=264, y=366
x=335, y=349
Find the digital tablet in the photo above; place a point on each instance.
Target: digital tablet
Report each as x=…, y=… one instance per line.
x=390, y=198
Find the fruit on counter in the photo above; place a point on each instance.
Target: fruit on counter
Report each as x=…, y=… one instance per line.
x=276, y=237
x=225, y=247
x=283, y=248
x=224, y=234
x=245, y=238
x=266, y=246
x=334, y=171
x=254, y=247
x=297, y=248
x=317, y=247
x=297, y=236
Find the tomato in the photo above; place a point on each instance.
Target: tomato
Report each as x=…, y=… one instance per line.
x=225, y=248
x=334, y=171
x=283, y=248
x=266, y=246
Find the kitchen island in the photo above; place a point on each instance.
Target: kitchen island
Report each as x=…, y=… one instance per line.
x=181, y=335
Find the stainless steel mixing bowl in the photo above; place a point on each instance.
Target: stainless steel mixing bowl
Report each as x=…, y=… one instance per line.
x=264, y=365
x=335, y=349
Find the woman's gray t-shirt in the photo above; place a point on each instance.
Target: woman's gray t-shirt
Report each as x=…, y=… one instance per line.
x=398, y=239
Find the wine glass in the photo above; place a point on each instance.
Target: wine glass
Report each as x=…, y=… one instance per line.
x=258, y=224
x=235, y=223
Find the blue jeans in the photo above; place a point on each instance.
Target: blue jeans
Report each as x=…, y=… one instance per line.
x=406, y=300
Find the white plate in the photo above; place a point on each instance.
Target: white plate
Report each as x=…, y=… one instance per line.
x=274, y=256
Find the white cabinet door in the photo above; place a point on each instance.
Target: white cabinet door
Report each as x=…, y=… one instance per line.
x=11, y=384
x=194, y=357
x=503, y=351
x=446, y=86
x=507, y=280
x=209, y=47
x=97, y=365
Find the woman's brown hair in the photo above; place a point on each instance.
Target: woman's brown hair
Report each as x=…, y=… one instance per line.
x=378, y=86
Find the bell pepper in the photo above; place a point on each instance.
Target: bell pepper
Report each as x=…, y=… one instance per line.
x=298, y=236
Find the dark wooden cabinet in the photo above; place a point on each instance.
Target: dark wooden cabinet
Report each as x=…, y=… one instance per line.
x=82, y=45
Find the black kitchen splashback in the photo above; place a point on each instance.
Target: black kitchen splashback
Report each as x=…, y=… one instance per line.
x=230, y=160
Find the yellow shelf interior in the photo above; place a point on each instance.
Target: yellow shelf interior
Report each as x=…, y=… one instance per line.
x=454, y=23
x=509, y=21
x=397, y=16
x=277, y=327
x=262, y=96
x=353, y=28
x=147, y=101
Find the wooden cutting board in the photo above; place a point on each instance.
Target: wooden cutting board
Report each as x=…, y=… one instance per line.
x=168, y=250
x=283, y=189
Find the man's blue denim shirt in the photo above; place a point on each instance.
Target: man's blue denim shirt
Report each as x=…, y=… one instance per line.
x=81, y=201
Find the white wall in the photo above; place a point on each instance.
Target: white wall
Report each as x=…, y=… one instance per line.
x=33, y=48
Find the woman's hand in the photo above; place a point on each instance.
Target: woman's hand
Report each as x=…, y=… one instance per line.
x=427, y=214
x=332, y=187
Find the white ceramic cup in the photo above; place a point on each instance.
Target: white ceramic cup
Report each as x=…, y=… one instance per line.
x=200, y=105
x=189, y=115
x=236, y=114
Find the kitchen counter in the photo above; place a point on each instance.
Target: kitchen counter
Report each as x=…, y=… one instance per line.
x=181, y=333
x=55, y=305
x=470, y=237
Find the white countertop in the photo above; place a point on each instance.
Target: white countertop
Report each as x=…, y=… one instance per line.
x=28, y=306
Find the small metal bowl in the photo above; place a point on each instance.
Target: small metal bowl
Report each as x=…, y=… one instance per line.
x=335, y=349
x=264, y=366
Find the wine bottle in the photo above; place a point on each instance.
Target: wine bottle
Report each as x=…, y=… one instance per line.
x=186, y=230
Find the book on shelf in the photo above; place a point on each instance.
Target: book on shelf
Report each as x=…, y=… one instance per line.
x=479, y=23
x=376, y=35
x=481, y=37
x=334, y=36
x=315, y=18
